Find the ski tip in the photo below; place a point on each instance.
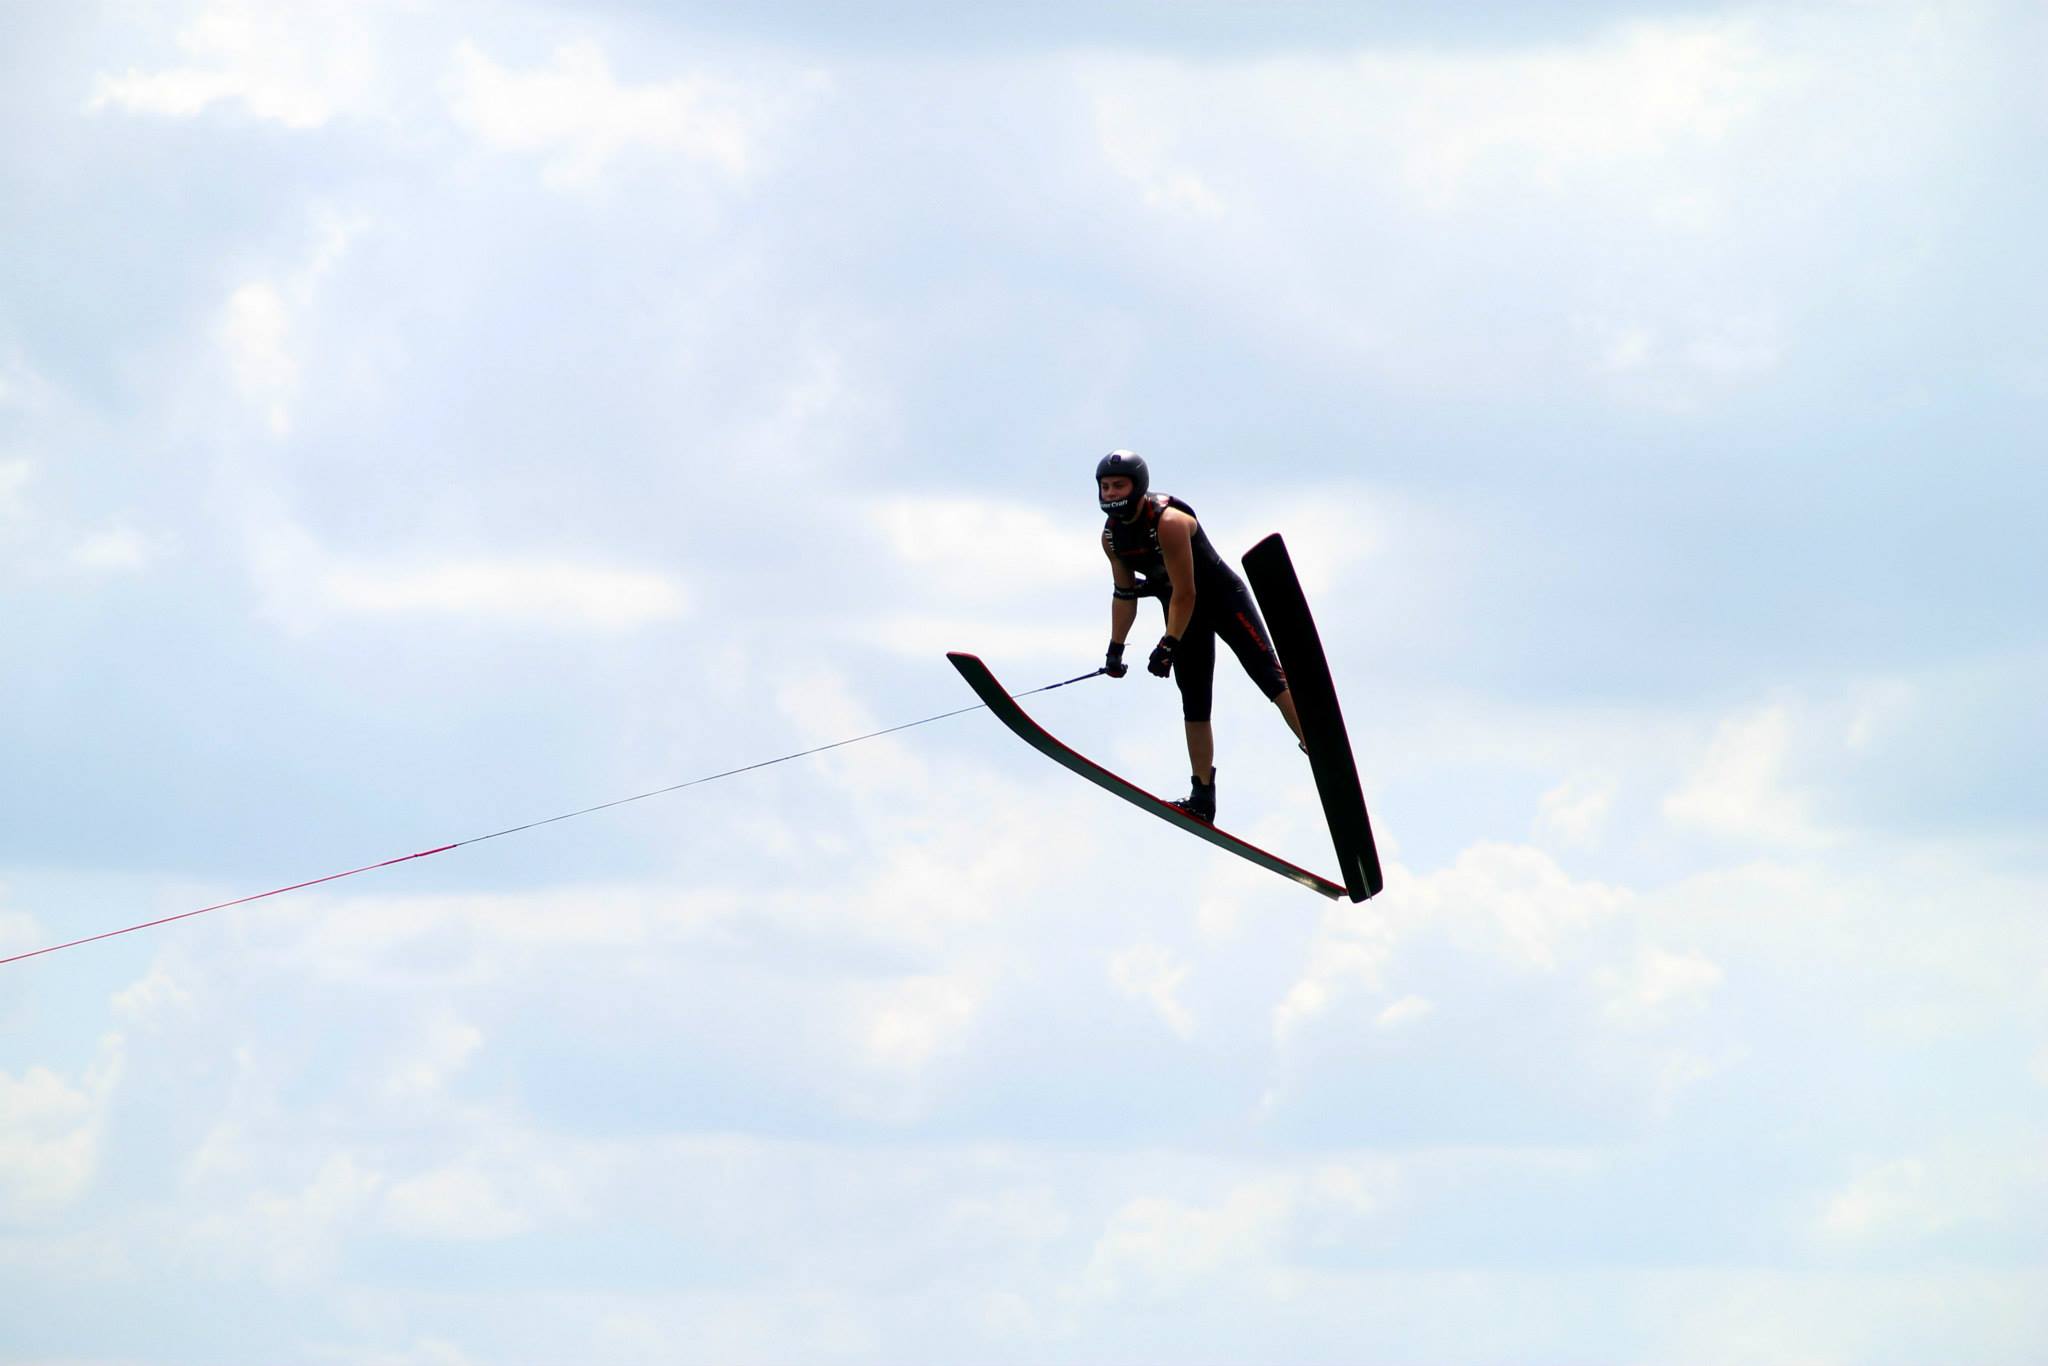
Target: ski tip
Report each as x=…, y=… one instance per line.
x=978, y=675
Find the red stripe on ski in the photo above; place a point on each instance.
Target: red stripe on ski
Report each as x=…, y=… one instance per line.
x=1031, y=733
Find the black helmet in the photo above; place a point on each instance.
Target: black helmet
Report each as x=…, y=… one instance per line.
x=1128, y=465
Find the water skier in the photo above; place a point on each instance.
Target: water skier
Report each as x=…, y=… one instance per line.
x=1157, y=549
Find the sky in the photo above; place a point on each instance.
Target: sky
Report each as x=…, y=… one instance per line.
x=417, y=419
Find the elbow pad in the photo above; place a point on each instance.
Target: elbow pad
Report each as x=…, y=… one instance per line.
x=1123, y=594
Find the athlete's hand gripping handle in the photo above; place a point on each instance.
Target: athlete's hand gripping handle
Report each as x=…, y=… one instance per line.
x=1113, y=660
x=1161, y=663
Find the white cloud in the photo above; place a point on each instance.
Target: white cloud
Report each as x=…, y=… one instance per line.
x=1330, y=528
x=909, y=1024
x=1149, y=973
x=953, y=955
x=454, y=1204
x=1157, y=1248
x=1877, y=710
x=19, y=931
x=1619, y=347
x=115, y=550
x=579, y=119
x=990, y=555
x=1218, y=919
x=825, y=709
x=261, y=326
x=441, y=1049
x=1658, y=192
x=1006, y=1217
x=1693, y=349
x=972, y=548
x=1737, y=346
x=287, y=1237
x=1637, y=98
x=427, y=1351
x=1343, y=953
x=1576, y=810
x=1512, y=901
x=157, y=993
x=45, y=1139
x=1405, y=1011
x=1973, y=1184
x=1739, y=787
x=299, y=65
x=1658, y=985
x=1141, y=146
x=1641, y=97
x=555, y=592
x=255, y=331
x=14, y=480
x=50, y=1132
x=340, y=1189
x=1000, y=643
x=302, y=585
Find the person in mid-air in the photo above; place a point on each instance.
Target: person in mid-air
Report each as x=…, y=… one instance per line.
x=1157, y=549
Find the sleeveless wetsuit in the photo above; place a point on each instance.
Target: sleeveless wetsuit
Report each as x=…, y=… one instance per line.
x=1223, y=606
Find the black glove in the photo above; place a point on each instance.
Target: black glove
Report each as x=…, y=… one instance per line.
x=1161, y=662
x=1113, y=662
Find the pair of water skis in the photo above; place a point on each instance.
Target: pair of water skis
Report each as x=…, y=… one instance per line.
x=1271, y=575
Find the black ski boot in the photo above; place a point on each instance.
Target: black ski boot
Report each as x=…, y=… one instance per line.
x=1200, y=801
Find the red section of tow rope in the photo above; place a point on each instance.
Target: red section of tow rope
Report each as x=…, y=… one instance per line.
x=221, y=906
x=533, y=825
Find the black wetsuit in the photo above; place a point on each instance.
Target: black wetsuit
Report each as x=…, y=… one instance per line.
x=1223, y=606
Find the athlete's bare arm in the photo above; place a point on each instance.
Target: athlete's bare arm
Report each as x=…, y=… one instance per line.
x=1177, y=540
x=1122, y=611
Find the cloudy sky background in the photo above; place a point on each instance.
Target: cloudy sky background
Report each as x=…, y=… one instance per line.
x=416, y=419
